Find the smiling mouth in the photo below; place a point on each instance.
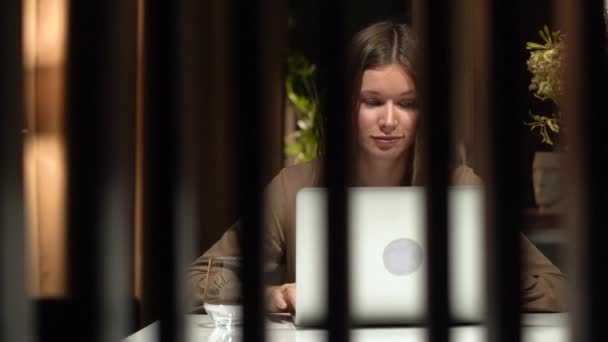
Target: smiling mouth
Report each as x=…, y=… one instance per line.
x=386, y=142
x=387, y=138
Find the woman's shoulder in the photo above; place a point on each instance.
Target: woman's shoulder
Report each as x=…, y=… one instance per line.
x=307, y=172
x=464, y=175
x=295, y=177
x=303, y=174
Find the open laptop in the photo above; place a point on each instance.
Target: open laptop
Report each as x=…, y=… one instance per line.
x=388, y=261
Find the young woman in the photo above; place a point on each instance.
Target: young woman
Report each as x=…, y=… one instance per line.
x=384, y=112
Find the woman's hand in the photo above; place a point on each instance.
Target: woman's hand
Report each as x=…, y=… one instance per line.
x=281, y=298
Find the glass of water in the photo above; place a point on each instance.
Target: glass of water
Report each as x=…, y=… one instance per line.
x=222, y=299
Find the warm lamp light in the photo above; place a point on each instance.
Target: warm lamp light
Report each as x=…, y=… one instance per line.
x=44, y=56
x=44, y=32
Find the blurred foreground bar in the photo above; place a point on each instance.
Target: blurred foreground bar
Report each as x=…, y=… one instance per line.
x=100, y=138
x=193, y=20
x=160, y=160
x=435, y=66
x=257, y=55
x=586, y=185
x=336, y=159
x=505, y=188
x=15, y=311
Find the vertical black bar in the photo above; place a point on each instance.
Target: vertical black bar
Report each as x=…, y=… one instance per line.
x=117, y=177
x=100, y=114
x=88, y=66
x=190, y=114
x=337, y=128
x=435, y=62
x=505, y=189
x=587, y=187
x=249, y=83
x=160, y=174
x=594, y=109
x=15, y=317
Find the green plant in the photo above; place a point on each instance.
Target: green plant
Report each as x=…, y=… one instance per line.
x=546, y=63
x=304, y=143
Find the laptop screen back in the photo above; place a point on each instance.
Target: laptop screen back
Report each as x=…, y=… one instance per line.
x=387, y=245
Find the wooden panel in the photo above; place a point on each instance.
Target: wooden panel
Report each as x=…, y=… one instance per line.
x=15, y=313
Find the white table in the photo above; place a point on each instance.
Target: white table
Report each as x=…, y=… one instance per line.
x=535, y=327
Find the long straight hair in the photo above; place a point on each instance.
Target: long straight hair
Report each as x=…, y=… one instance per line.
x=378, y=45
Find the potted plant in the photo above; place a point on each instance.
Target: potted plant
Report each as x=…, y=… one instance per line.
x=546, y=64
x=303, y=143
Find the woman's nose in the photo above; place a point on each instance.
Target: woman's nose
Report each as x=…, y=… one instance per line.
x=388, y=121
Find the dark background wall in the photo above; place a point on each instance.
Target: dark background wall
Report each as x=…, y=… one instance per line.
x=304, y=32
x=538, y=14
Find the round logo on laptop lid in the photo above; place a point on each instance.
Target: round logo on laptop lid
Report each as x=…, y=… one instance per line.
x=402, y=256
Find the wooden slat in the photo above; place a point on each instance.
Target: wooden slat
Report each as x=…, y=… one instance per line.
x=191, y=114
x=335, y=109
x=15, y=311
x=505, y=186
x=100, y=116
x=117, y=211
x=584, y=112
x=435, y=64
x=251, y=50
x=160, y=294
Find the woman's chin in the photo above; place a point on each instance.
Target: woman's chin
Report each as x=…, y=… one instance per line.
x=389, y=154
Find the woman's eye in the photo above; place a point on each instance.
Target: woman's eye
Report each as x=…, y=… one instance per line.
x=371, y=102
x=409, y=104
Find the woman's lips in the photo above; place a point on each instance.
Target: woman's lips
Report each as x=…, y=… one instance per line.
x=386, y=141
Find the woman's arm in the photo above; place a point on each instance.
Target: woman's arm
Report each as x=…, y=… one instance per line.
x=227, y=245
x=279, y=298
x=543, y=283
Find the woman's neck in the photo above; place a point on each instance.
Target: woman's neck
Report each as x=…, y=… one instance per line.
x=378, y=172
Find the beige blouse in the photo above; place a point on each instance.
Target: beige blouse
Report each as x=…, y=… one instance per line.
x=542, y=281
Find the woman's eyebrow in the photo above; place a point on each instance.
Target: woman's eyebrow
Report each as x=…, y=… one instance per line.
x=374, y=92
x=408, y=92
x=369, y=92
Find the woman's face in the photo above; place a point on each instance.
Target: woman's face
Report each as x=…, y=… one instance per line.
x=387, y=112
